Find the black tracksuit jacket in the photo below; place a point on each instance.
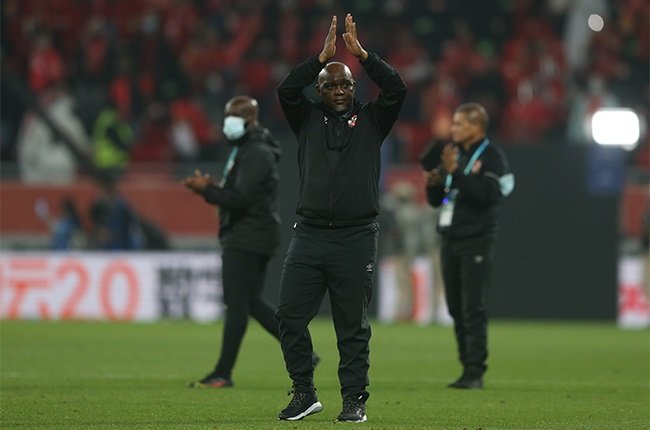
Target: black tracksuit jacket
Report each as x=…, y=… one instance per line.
x=339, y=155
x=476, y=207
x=248, y=213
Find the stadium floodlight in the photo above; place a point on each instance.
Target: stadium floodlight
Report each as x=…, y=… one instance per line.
x=616, y=127
x=595, y=22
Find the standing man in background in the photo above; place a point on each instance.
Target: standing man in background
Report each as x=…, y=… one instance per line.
x=249, y=228
x=114, y=222
x=334, y=243
x=469, y=178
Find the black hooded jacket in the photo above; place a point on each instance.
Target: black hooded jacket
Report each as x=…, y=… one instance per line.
x=248, y=213
x=339, y=155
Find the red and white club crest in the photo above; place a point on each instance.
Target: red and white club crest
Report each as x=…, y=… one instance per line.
x=352, y=121
x=476, y=167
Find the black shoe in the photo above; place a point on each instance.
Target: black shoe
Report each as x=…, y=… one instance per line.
x=212, y=381
x=354, y=409
x=300, y=406
x=465, y=383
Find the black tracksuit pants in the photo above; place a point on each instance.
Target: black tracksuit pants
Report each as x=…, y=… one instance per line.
x=243, y=280
x=466, y=270
x=341, y=261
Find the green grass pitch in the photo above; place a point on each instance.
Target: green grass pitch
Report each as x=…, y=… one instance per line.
x=543, y=375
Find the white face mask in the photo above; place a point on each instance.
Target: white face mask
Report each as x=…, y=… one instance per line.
x=234, y=127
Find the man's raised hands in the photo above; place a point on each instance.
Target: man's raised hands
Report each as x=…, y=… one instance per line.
x=350, y=38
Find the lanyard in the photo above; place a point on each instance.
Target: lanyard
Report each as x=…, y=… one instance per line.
x=229, y=164
x=470, y=163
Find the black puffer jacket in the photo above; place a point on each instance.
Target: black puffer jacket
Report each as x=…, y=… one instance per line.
x=248, y=212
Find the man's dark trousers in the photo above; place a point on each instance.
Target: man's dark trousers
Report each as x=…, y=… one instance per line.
x=466, y=270
x=341, y=261
x=243, y=282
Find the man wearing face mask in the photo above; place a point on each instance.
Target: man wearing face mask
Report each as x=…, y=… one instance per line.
x=334, y=243
x=249, y=228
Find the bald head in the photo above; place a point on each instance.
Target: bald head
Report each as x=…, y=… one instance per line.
x=334, y=69
x=245, y=107
x=336, y=87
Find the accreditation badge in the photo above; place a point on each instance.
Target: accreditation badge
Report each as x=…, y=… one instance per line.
x=446, y=213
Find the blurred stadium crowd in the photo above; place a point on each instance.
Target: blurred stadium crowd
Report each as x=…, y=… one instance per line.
x=146, y=80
